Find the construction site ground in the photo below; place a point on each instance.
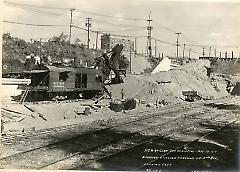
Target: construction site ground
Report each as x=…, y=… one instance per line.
x=37, y=132
x=206, y=119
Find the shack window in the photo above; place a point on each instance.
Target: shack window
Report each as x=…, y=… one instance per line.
x=63, y=76
x=81, y=81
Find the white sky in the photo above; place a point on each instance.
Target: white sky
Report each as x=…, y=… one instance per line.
x=212, y=23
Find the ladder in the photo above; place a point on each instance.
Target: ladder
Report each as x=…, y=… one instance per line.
x=24, y=95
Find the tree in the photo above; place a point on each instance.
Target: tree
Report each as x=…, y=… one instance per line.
x=57, y=48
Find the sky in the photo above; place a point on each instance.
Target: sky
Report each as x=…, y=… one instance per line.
x=202, y=24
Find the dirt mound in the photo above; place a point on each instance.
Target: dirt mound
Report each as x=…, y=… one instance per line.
x=225, y=66
x=236, y=90
x=169, y=85
x=138, y=63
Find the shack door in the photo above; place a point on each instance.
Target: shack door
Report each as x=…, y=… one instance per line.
x=81, y=81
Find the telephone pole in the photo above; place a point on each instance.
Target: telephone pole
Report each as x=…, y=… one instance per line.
x=155, y=48
x=184, y=45
x=88, y=25
x=149, y=36
x=189, y=55
x=70, y=26
x=97, y=41
x=226, y=55
x=130, y=65
x=209, y=55
x=215, y=52
x=135, y=45
x=203, y=52
x=178, y=33
x=40, y=50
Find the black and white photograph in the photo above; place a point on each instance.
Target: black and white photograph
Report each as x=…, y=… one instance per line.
x=120, y=85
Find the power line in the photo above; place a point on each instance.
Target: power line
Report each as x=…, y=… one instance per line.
x=31, y=24
x=122, y=30
x=164, y=27
x=35, y=10
x=48, y=25
x=116, y=24
x=79, y=10
x=34, y=6
x=104, y=32
x=165, y=42
x=55, y=14
x=110, y=16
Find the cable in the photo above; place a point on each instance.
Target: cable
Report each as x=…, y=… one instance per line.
x=34, y=6
x=110, y=16
x=115, y=24
x=164, y=27
x=165, y=42
x=36, y=11
x=30, y=24
x=131, y=29
x=79, y=10
x=105, y=32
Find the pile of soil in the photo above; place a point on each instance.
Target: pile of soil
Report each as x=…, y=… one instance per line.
x=236, y=90
x=225, y=66
x=169, y=85
x=138, y=63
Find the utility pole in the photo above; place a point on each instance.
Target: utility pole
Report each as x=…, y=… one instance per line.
x=226, y=54
x=203, y=52
x=209, y=55
x=220, y=54
x=178, y=33
x=184, y=45
x=155, y=48
x=135, y=45
x=232, y=54
x=189, y=55
x=70, y=26
x=149, y=36
x=88, y=25
x=40, y=50
x=97, y=41
x=130, y=57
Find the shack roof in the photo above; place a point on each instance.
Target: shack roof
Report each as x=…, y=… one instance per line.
x=59, y=69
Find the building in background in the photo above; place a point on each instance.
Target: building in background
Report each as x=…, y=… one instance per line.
x=108, y=42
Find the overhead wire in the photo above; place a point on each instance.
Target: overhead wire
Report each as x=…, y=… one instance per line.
x=164, y=27
x=31, y=24
x=34, y=6
x=117, y=24
x=79, y=10
x=35, y=10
